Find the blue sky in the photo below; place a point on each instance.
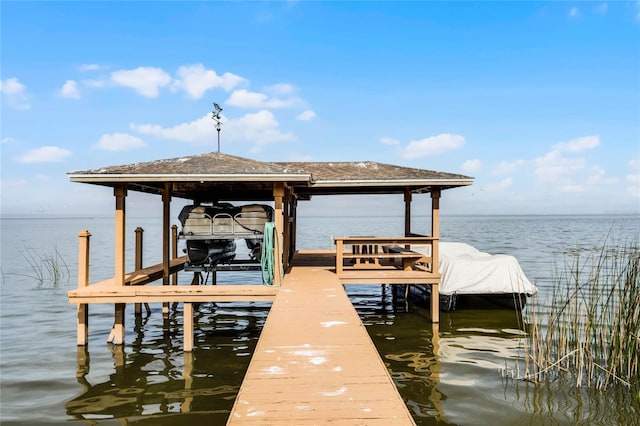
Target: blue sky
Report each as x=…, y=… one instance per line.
x=539, y=101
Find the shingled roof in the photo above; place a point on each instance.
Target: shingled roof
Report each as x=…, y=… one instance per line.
x=232, y=177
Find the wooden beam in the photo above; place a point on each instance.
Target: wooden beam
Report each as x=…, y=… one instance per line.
x=107, y=292
x=278, y=195
x=188, y=327
x=120, y=192
x=84, y=238
x=435, y=251
x=166, y=220
x=294, y=225
x=117, y=333
x=407, y=212
x=166, y=228
x=174, y=251
x=138, y=262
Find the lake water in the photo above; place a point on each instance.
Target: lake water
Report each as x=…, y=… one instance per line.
x=450, y=374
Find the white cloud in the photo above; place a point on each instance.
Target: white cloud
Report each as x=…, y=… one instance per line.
x=471, y=166
x=70, y=90
x=432, y=146
x=119, y=142
x=633, y=184
x=574, y=12
x=195, y=80
x=89, y=67
x=281, y=89
x=506, y=167
x=15, y=93
x=498, y=186
x=145, y=80
x=8, y=140
x=597, y=176
x=386, y=140
x=259, y=128
x=244, y=99
x=579, y=144
x=553, y=168
x=199, y=132
x=45, y=154
x=306, y=115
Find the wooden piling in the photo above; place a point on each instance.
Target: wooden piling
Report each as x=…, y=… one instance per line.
x=138, y=263
x=83, y=281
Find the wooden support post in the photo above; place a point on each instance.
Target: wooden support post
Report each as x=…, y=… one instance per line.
x=120, y=193
x=138, y=262
x=278, y=194
x=117, y=333
x=407, y=212
x=174, y=251
x=286, y=229
x=174, y=254
x=294, y=226
x=339, y=252
x=84, y=238
x=185, y=406
x=435, y=251
x=166, y=218
x=188, y=326
x=435, y=303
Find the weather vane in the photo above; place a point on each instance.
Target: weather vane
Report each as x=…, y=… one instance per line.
x=216, y=117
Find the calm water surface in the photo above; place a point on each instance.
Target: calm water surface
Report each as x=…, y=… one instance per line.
x=450, y=374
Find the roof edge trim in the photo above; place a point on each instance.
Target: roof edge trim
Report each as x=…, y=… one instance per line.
x=105, y=178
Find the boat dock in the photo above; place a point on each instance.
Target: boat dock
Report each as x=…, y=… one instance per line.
x=315, y=362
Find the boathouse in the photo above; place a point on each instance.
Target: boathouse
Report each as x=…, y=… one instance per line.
x=311, y=315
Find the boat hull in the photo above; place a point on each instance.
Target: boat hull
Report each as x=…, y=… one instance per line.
x=421, y=294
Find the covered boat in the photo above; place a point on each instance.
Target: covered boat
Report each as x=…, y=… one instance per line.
x=470, y=276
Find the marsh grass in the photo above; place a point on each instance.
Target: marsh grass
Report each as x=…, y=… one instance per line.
x=45, y=267
x=588, y=329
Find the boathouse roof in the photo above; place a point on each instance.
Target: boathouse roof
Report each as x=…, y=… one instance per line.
x=237, y=178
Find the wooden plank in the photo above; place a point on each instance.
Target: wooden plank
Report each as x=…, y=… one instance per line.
x=188, y=327
x=404, y=255
x=387, y=276
x=153, y=273
x=315, y=362
x=385, y=240
x=140, y=277
x=178, y=293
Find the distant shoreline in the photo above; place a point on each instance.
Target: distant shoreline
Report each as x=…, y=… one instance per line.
x=85, y=217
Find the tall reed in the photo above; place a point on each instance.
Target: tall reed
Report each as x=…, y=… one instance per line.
x=45, y=267
x=588, y=329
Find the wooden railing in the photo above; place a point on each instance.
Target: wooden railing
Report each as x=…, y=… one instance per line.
x=381, y=252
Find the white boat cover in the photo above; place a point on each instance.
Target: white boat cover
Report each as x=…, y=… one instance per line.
x=466, y=270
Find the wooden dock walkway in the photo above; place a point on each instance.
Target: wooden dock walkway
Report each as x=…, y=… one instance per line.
x=315, y=362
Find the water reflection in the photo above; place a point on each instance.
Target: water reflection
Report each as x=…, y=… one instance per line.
x=153, y=380
x=443, y=371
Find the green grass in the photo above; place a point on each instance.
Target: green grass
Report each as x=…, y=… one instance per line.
x=45, y=268
x=588, y=329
